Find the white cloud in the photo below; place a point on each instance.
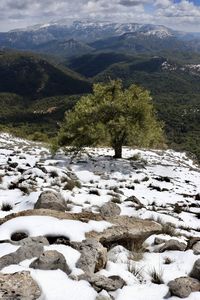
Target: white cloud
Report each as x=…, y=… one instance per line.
x=184, y=15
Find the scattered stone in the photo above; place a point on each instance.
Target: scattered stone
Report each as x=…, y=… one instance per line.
x=159, y=241
x=31, y=241
x=135, y=200
x=50, y=200
x=127, y=231
x=110, y=209
x=192, y=241
x=51, y=260
x=197, y=197
x=13, y=164
x=100, y=282
x=93, y=256
x=24, y=252
x=195, y=273
x=182, y=287
x=18, y=286
x=196, y=248
x=173, y=245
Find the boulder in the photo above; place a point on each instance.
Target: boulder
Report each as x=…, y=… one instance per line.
x=159, y=241
x=195, y=273
x=126, y=231
x=18, y=286
x=36, y=240
x=182, y=287
x=173, y=245
x=109, y=284
x=93, y=256
x=50, y=200
x=24, y=252
x=100, y=282
x=135, y=200
x=51, y=260
x=110, y=209
x=196, y=248
x=192, y=241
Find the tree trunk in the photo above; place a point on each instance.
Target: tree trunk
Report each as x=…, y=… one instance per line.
x=118, y=151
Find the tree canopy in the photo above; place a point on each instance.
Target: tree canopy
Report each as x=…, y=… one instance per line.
x=112, y=116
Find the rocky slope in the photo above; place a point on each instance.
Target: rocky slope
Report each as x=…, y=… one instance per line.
x=96, y=228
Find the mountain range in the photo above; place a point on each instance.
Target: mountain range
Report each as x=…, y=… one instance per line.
x=80, y=37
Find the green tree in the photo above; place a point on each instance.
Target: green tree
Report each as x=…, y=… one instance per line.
x=112, y=116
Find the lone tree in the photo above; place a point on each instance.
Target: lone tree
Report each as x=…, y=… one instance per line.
x=112, y=116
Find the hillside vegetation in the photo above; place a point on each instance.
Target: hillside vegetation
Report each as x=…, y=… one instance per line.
x=35, y=93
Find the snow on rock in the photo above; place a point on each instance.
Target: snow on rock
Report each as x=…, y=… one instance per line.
x=147, y=184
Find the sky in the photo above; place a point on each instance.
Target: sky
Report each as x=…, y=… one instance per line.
x=178, y=14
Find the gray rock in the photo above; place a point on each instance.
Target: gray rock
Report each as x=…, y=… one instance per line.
x=50, y=200
x=24, y=252
x=159, y=241
x=182, y=287
x=18, y=286
x=51, y=260
x=127, y=231
x=196, y=248
x=93, y=256
x=135, y=200
x=173, y=245
x=101, y=297
x=110, y=209
x=30, y=241
x=109, y=284
x=195, y=273
x=192, y=241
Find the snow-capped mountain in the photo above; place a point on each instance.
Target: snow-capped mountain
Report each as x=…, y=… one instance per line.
x=85, y=31
x=88, y=32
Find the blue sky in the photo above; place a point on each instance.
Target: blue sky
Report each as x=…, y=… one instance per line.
x=178, y=14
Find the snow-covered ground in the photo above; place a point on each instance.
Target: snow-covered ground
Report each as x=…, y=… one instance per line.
x=165, y=183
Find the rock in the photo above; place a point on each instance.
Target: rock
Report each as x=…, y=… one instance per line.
x=51, y=260
x=100, y=282
x=195, y=273
x=103, y=295
x=182, y=287
x=24, y=252
x=110, y=209
x=173, y=245
x=50, y=200
x=196, y=248
x=13, y=164
x=109, y=284
x=135, y=200
x=159, y=241
x=127, y=231
x=18, y=286
x=30, y=241
x=93, y=256
x=192, y=241
x=197, y=197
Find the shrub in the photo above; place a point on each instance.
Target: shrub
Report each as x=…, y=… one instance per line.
x=156, y=276
x=6, y=207
x=94, y=192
